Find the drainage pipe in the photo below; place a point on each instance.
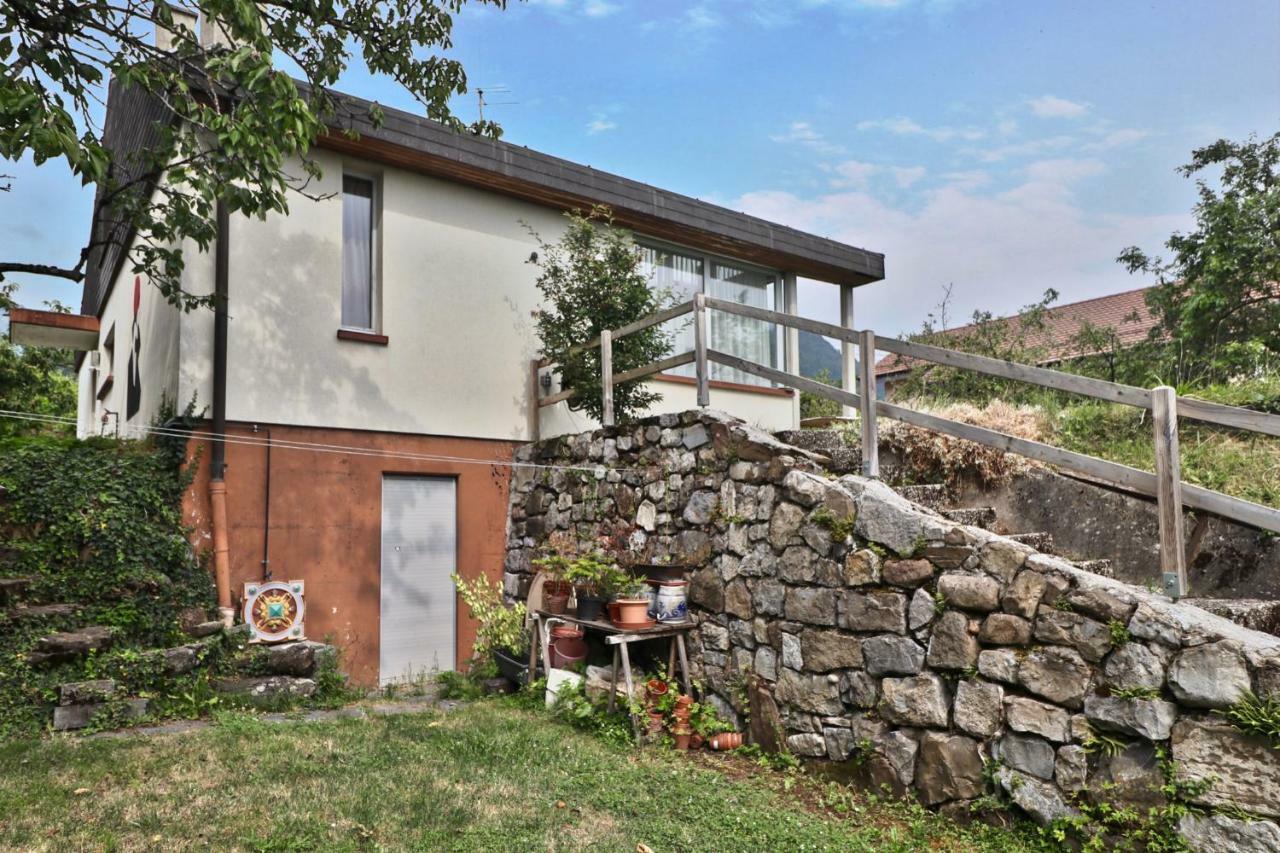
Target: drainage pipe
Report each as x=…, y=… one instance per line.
x=217, y=473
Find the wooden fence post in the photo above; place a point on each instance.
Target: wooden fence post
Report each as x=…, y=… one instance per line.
x=606, y=376
x=535, y=408
x=867, y=403
x=700, y=348
x=1173, y=561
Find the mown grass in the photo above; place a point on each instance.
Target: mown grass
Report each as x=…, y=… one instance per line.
x=488, y=776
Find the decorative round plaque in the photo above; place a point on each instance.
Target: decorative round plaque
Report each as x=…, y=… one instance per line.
x=273, y=611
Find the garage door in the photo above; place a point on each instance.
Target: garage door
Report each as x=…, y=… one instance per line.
x=419, y=553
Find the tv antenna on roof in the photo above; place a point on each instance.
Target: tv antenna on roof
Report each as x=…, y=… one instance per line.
x=482, y=101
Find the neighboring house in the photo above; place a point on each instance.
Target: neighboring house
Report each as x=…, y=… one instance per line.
x=377, y=373
x=1125, y=313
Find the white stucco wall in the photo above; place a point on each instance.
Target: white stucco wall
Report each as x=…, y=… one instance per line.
x=158, y=330
x=456, y=300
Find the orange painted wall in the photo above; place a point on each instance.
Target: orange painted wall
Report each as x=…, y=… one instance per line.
x=326, y=519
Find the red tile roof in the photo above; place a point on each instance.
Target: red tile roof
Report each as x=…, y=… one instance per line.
x=1062, y=324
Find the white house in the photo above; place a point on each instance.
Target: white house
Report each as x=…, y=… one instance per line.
x=374, y=376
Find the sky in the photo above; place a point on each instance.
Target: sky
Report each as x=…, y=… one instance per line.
x=995, y=148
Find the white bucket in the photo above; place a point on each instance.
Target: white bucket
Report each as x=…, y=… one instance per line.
x=557, y=678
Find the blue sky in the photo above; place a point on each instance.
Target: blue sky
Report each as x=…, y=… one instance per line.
x=1002, y=148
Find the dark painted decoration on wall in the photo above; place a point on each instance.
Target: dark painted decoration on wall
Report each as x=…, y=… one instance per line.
x=134, y=401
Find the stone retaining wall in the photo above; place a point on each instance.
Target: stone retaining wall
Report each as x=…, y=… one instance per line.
x=932, y=658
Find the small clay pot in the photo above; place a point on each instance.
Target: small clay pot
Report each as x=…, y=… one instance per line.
x=683, y=740
x=631, y=612
x=725, y=741
x=696, y=741
x=684, y=701
x=656, y=722
x=555, y=603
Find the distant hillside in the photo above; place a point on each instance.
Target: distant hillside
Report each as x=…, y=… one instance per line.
x=816, y=352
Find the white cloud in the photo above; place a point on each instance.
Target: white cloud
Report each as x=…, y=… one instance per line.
x=803, y=133
x=700, y=17
x=907, y=175
x=1007, y=127
x=1117, y=139
x=903, y=126
x=600, y=124
x=1030, y=148
x=585, y=8
x=599, y=8
x=1001, y=248
x=853, y=173
x=1051, y=106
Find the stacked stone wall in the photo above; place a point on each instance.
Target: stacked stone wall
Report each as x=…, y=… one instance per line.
x=938, y=660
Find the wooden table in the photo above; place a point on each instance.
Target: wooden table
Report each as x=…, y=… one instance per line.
x=620, y=639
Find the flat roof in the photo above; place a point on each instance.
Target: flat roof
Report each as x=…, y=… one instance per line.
x=30, y=327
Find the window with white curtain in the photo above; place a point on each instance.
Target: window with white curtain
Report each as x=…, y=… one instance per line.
x=358, y=267
x=684, y=274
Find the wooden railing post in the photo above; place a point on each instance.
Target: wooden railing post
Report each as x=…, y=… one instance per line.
x=700, y=348
x=606, y=376
x=867, y=403
x=848, y=360
x=1173, y=561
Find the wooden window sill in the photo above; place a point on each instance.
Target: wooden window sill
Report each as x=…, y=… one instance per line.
x=362, y=337
x=726, y=386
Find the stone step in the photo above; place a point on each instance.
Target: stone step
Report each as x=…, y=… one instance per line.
x=68, y=645
x=982, y=517
x=934, y=496
x=11, y=589
x=265, y=690
x=1256, y=614
x=831, y=443
x=1041, y=541
x=37, y=612
x=70, y=717
x=1102, y=568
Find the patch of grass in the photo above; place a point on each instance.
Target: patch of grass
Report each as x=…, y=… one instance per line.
x=487, y=776
x=1257, y=715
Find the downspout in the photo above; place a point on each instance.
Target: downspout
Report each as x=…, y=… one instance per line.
x=217, y=474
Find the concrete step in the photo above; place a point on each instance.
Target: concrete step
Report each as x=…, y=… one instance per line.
x=1102, y=568
x=982, y=517
x=934, y=496
x=68, y=645
x=1041, y=541
x=36, y=612
x=1257, y=614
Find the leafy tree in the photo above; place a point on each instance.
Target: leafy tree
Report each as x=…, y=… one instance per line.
x=591, y=280
x=1218, y=297
x=815, y=406
x=235, y=125
x=36, y=380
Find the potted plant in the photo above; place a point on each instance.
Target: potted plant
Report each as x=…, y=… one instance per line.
x=555, y=589
x=594, y=578
x=706, y=724
x=630, y=607
x=500, y=630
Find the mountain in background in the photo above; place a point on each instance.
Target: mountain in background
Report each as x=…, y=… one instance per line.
x=816, y=352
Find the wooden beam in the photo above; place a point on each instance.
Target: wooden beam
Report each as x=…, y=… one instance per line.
x=700, y=335
x=1173, y=564
x=606, y=377
x=1231, y=416
x=773, y=375
x=867, y=389
x=655, y=367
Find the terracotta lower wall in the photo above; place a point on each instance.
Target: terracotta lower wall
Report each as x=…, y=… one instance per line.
x=326, y=520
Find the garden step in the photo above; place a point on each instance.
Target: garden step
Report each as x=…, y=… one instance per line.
x=12, y=588
x=266, y=689
x=69, y=717
x=1041, y=541
x=982, y=517
x=934, y=496
x=831, y=443
x=1102, y=568
x=1256, y=614
x=67, y=645
x=33, y=612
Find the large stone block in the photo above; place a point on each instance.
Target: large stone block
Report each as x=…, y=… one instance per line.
x=86, y=692
x=1041, y=800
x=1247, y=767
x=784, y=524
x=978, y=708
x=1038, y=718
x=1209, y=676
x=1024, y=594
x=861, y=568
x=1089, y=637
x=872, y=612
x=922, y=700
x=1002, y=558
x=889, y=654
x=769, y=597
x=952, y=644
x=1005, y=629
x=811, y=606
x=1136, y=665
x=824, y=651
x=1149, y=718
x=71, y=717
x=949, y=768
x=817, y=694
x=1059, y=675
x=1218, y=833
x=908, y=573
x=1027, y=753
x=999, y=665
x=969, y=592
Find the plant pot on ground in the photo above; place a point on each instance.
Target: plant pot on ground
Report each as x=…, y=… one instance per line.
x=500, y=630
x=683, y=737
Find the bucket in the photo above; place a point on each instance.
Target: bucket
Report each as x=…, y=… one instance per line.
x=672, y=604
x=567, y=646
x=556, y=679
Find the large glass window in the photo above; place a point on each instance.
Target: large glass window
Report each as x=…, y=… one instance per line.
x=684, y=274
x=357, y=252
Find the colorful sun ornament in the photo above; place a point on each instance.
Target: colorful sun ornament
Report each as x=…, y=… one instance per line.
x=273, y=611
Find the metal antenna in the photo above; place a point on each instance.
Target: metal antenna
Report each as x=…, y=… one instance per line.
x=481, y=102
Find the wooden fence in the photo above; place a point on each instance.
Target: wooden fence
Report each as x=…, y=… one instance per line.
x=1165, y=485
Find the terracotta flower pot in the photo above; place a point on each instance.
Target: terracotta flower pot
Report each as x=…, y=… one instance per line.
x=725, y=741
x=684, y=701
x=655, y=722
x=696, y=741
x=683, y=740
x=654, y=689
x=631, y=612
x=556, y=601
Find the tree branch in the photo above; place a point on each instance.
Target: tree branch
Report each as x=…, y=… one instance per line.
x=76, y=274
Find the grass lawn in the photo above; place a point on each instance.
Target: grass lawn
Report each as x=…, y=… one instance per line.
x=488, y=776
